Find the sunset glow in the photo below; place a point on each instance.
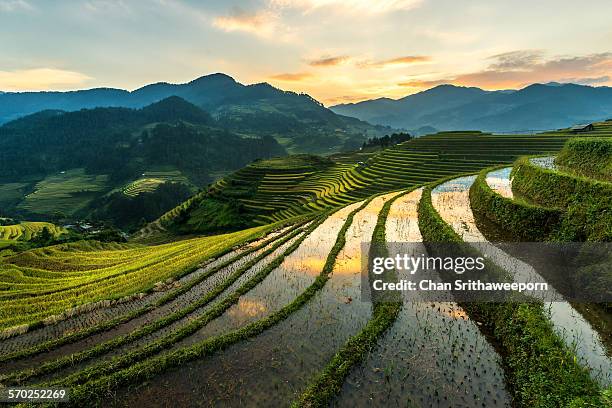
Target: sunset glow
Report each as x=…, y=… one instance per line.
x=336, y=51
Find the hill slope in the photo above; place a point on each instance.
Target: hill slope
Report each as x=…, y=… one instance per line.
x=274, y=190
x=298, y=121
x=449, y=107
x=66, y=162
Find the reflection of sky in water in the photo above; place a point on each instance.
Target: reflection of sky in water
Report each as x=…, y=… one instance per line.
x=433, y=355
x=451, y=200
x=349, y=259
x=270, y=368
x=499, y=181
x=248, y=307
x=283, y=284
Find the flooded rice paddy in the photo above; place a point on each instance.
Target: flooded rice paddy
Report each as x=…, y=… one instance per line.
x=451, y=200
x=273, y=367
x=433, y=355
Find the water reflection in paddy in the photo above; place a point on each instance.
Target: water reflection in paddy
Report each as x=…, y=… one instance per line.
x=499, y=181
x=284, y=283
x=270, y=369
x=451, y=200
x=433, y=355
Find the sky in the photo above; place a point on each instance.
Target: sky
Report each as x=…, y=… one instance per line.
x=337, y=51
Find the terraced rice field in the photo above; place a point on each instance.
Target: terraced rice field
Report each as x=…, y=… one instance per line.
x=150, y=180
x=66, y=192
x=25, y=231
x=274, y=315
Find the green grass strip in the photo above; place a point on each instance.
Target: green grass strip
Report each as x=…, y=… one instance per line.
x=328, y=383
x=96, y=389
x=103, y=348
x=79, y=335
x=525, y=221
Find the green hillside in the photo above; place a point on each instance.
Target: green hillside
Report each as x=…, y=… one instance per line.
x=58, y=165
x=273, y=314
x=272, y=190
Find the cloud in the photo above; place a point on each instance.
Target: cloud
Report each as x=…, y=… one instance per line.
x=292, y=77
x=328, y=61
x=588, y=81
x=406, y=60
x=262, y=23
x=518, y=69
x=516, y=60
x=15, y=5
x=362, y=6
x=424, y=83
x=107, y=6
x=40, y=79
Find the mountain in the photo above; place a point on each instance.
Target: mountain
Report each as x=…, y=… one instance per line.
x=98, y=160
x=298, y=121
x=449, y=107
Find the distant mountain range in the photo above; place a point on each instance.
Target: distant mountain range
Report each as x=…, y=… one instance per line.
x=449, y=107
x=298, y=121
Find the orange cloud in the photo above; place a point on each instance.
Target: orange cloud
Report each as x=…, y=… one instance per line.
x=292, y=77
x=406, y=60
x=424, y=84
x=40, y=79
x=518, y=69
x=262, y=23
x=329, y=61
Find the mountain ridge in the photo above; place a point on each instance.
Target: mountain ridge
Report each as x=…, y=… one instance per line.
x=301, y=123
x=449, y=107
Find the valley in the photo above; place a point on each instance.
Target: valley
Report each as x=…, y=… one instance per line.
x=251, y=289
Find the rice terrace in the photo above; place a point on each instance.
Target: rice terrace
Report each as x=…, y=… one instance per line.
x=306, y=203
x=271, y=313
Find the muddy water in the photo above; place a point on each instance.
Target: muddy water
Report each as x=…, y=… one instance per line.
x=451, y=200
x=433, y=355
x=272, y=368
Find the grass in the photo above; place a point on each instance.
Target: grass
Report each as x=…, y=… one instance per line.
x=150, y=180
x=586, y=202
x=272, y=190
x=171, y=295
x=591, y=157
x=522, y=220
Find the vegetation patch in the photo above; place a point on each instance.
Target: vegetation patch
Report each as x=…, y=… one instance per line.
x=588, y=156
x=81, y=334
x=84, y=272
x=587, y=203
x=524, y=221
